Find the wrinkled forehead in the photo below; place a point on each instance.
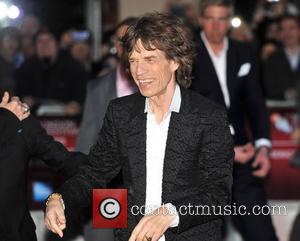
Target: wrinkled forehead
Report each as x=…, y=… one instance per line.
x=143, y=46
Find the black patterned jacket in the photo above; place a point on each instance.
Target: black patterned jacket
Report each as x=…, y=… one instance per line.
x=197, y=165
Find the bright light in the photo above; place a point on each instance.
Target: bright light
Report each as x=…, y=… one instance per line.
x=3, y=10
x=273, y=1
x=236, y=22
x=13, y=12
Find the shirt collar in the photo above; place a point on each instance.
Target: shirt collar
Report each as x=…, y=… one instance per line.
x=175, y=104
x=206, y=43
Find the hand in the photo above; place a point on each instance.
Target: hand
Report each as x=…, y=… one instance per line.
x=55, y=219
x=15, y=106
x=244, y=153
x=152, y=226
x=262, y=161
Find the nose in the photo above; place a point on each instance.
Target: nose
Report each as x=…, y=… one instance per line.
x=216, y=24
x=140, y=69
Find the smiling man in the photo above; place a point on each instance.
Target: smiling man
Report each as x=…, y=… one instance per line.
x=173, y=146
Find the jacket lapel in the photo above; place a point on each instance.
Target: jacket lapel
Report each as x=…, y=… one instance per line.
x=210, y=70
x=230, y=69
x=136, y=145
x=176, y=145
x=173, y=155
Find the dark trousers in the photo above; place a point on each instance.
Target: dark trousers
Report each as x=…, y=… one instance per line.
x=249, y=191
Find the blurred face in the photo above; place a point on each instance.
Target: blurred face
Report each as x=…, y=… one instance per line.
x=119, y=35
x=9, y=47
x=46, y=46
x=215, y=23
x=152, y=72
x=290, y=33
x=81, y=52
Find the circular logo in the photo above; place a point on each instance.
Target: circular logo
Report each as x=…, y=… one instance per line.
x=109, y=208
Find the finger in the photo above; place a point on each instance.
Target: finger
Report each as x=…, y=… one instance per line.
x=137, y=229
x=260, y=173
x=54, y=226
x=5, y=98
x=61, y=218
x=47, y=224
x=256, y=162
x=263, y=171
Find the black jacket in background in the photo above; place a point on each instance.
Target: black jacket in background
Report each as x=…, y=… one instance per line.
x=247, y=105
x=18, y=142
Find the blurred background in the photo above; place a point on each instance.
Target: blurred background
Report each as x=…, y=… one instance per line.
x=79, y=36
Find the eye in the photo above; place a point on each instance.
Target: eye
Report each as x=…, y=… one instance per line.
x=150, y=61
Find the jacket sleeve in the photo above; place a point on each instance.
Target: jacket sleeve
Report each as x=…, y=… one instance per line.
x=255, y=103
x=215, y=166
x=9, y=126
x=102, y=166
x=42, y=146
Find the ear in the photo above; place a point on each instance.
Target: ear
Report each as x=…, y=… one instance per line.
x=174, y=65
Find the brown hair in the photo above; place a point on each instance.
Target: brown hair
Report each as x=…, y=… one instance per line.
x=166, y=33
x=206, y=3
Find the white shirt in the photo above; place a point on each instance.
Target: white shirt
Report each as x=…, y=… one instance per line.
x=156, y=138
x=220, y=66
x=293, y=58
x=220, y=63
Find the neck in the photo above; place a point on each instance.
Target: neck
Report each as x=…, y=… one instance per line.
x=160, y=104
x=293, y=48
x=217, y=47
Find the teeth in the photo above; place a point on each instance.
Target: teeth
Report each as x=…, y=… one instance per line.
x=145, y=81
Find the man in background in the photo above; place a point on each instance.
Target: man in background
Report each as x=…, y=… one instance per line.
x=226, y=73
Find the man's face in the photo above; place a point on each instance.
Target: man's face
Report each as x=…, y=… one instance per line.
x=152, y=72
x=46, y=46
x=215, y=23
x=290, y=33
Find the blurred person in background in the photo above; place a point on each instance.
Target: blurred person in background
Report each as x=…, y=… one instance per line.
x=51, y=75
x=108, y=52
x=101, y=91
x=225, y=71
x=81, y=48
x=9, y=46
x=281, y=73
x=28, y=28
x=66, y=40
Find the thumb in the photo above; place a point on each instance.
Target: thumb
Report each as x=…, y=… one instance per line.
x=256, y=162
x=5, y=98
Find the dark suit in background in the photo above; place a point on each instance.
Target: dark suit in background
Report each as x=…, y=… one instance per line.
x=100, y=92
x=246, y=107
x=279, y=76
x=18, y=142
